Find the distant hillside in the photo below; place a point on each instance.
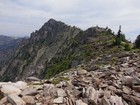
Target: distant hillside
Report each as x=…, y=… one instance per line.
x=8, y=47
x=5, y=39
x=56, y=47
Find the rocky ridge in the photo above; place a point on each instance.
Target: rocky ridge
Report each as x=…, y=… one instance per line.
x=8, y=48
x=53, y=48
x=107, y=85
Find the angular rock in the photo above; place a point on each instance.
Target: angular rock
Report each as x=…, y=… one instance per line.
x=136, y=88
x=69, y=101
x=131, y=98
x=29, y=100
x=3, y=83
x=77, y=93
x=20, y=84
x=3, y=101
x=59, y=100
x=105, y=101
x=126, y=90
x=92, y=94
x=127, y=80
x=32, y=79
x=112, y=88
x=48, y=100
x=30, y=92
x=80, y=102
x=136, y=80
x=50, y=89
x=115, y=100
x=136, y=94
x=107, y=94
x=61, y=93
x=82, y=72
x=48, y=86
x=10, y=89
x=15, y=100
x=61, y=84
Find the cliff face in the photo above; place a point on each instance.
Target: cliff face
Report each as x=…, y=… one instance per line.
x=8, y=47
x=54, y=48
x=41, y=47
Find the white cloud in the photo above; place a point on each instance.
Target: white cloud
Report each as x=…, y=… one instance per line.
x=29, y=15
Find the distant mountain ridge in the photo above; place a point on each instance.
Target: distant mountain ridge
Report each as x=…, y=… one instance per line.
x=56, y=47
x=8, y=47
x=5, y=39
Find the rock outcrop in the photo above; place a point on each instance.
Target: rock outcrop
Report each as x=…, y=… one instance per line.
x=53, y=48
x=108, y=85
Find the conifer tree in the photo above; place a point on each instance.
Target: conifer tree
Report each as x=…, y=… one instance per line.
x=137, y=42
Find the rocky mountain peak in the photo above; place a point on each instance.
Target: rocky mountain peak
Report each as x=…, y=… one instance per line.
x=52, y=21
x=52, y=24
x=49, y=30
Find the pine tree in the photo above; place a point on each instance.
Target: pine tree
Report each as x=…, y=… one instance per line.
x=120, y=37
x=137, y=42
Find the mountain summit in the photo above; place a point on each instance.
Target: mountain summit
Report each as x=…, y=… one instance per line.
x=39, y=50
x=56, y=47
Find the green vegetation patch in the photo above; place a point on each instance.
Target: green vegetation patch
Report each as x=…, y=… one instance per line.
x=58, y=67
x=58, y=80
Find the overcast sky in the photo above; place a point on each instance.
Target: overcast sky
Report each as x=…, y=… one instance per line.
x=21, y=17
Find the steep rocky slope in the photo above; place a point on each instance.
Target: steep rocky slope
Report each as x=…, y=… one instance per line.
x=56, y=47
x=43, y=44
x=79, y=68
x=8, y=47
x=5, y=39
x=108, y=85
x=5, y=46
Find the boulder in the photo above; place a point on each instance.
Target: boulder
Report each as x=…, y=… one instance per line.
x=137, y=94
x=61, y=93
x=32, y=79
x=48, y=86
x=80, y=102
x=115, y=100
x=59, y=100
x=20, y=84
x=82, y=72
x=10, y=89
x=29, y=100
x=14, y=99
x=105, y=101
x=126, y=90
x=92, y=94
x=30, y=92
x=107, y=94
x=131, y=98
x=61, y=84
x=3, y=83
x=136, y=80
x=3, y=100
x=112, y=88
x=77, y=93
x=48, y=100
x=127, y=80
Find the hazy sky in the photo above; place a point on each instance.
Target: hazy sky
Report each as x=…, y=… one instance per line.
x=21, y=17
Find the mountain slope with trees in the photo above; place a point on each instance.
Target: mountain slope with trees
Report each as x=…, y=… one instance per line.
x=56, y=47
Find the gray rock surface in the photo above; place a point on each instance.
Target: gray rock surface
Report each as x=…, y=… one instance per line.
x=15, y=100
